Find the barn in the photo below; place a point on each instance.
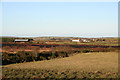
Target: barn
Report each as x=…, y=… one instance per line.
x=23, y=40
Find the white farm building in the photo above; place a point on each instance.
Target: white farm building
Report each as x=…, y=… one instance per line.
x=81, y=40
x=75, y=40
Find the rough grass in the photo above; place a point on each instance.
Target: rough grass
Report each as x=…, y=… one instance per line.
x=42, y=73
x=107, y=42
x=92, y=43
x=87, y=65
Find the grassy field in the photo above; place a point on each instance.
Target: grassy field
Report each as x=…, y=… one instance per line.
x=92, y=43
x=87, y=65
x=108, y=41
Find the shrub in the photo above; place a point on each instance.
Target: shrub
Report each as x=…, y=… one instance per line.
x=42, y=58
x=85, y=51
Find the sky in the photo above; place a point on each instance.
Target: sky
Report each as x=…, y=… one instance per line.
x=60, y=0
x=70, y=19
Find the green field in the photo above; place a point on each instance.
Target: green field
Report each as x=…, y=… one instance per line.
x=92, y=43
x=87, y=65
x=108, y=41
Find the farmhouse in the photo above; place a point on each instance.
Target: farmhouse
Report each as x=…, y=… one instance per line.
x=75, y=40
x=85, y=40
x=23, y=40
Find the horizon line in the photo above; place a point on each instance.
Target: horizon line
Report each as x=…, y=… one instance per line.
x=63, y=36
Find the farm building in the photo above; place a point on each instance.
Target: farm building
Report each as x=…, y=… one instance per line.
x=75, y=40
x=23, y=40
x=81, y=40
x=85, y=40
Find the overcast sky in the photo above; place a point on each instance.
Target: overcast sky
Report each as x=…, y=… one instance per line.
x=78, y=19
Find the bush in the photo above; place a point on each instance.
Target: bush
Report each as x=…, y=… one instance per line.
x=85, y=51
x=20, y=57
x=8, y=39
x=77, y=51
x=42, y=58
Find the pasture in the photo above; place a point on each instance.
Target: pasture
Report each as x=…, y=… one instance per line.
x=87, y=65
